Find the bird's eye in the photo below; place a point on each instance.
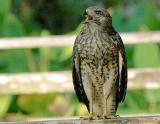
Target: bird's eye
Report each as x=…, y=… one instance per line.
x=98, y=12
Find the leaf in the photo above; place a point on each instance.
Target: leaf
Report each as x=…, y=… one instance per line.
x=151, y=95
x=153, y=100
x=146, y=55
x=3, y=61
x=45, y=58
x=5, y=101
x=81, y=110
x=61, y=58
x=5, y=6
x=17, y=61
x=37, y=104
x=129, y=53
x=135, y=102
x=11, y=27
x=130, y=18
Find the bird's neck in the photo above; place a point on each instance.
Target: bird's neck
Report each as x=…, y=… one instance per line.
x=92, y=28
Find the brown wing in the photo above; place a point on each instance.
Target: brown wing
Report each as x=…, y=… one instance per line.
x=123, y=71
x=122, y=82
x=76, y=75
x=122, y=87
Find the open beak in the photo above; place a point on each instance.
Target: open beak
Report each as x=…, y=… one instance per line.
x=89, y=17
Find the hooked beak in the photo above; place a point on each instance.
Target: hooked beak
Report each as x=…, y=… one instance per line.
x=89, y=17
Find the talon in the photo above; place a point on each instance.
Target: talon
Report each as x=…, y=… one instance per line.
x=99, y=117
x=91, y=117
x=84, y=118
x=111, y=116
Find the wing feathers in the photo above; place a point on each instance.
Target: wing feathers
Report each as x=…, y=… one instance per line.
x=122, y=82
x=123, y=70
x=77, y=79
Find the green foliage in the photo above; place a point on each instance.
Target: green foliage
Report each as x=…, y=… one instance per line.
x=153, y=18
x=47, y=105
x=146, y=55
x=5, y=101
x=61, y=58
x=45, y=58
x=17, y=61
x=129, y=18
x=129, y=53
x=137, y=101
x=11, y=27
x=5, y=6
x=35, y=104
x=136, y=16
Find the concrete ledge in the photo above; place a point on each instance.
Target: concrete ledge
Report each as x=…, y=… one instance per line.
x=119, y=120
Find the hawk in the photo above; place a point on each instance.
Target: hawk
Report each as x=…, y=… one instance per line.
x=99, y=65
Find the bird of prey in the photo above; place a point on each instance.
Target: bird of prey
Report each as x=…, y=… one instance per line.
x=99, y=65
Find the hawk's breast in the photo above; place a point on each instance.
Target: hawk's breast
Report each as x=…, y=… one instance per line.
x=99, y=59
x=97, y=51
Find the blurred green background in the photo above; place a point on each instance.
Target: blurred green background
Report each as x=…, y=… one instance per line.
x=20, y=18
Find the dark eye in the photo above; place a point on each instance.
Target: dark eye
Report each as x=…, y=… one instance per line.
x=98, y=12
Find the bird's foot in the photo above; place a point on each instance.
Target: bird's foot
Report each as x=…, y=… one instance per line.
x=84, y=118
x=93, y=117
x=111, y=116
x=90, y=117
x=96, y=117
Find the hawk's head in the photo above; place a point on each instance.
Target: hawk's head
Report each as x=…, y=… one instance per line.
x=98, y=15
